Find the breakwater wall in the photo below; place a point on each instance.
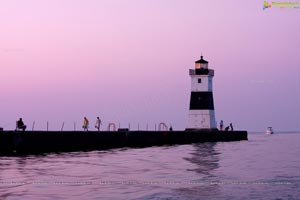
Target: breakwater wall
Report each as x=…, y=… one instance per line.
x=18, y=142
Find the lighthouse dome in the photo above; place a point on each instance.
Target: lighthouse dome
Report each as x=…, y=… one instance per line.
x=201, y=60
x=201, y=64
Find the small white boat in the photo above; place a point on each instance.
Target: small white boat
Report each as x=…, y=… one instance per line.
x=269, y=131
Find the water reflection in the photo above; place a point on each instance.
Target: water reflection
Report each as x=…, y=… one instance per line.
x=206, y=160
x=205, y=157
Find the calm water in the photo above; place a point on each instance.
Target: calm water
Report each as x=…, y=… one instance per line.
x=265, y=167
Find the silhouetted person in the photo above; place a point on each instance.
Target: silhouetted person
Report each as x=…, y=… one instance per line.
x=21, y=125
x=231, y=127
x=85, y=124
x=98, y=123
x=171, y=128
x=227, y=128
x=221, y=125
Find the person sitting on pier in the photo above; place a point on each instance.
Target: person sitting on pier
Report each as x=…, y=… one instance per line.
x=85, y=124
x=20, y=125
x=227, y=128
x=98, y=123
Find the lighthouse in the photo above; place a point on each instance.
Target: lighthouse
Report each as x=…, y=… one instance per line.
x=201, y=111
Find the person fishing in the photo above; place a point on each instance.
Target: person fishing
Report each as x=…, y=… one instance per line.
x=227, y=128
x=21, y=125
x=231, y=127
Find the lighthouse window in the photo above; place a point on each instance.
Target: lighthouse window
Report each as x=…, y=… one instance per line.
x=199, y=80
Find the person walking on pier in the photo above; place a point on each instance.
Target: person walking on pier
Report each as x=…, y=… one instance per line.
x=98, y=123
x=221, y=125
x=85, y=124
x=21, y=125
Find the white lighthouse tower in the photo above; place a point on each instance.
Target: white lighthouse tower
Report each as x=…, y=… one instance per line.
x=201, y=112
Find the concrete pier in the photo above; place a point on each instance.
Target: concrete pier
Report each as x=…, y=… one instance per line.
x=35, y=142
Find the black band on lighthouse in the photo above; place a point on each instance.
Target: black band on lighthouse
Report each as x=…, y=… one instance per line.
x=202, y=101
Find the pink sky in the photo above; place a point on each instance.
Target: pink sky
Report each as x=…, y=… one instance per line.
x=127, y=61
